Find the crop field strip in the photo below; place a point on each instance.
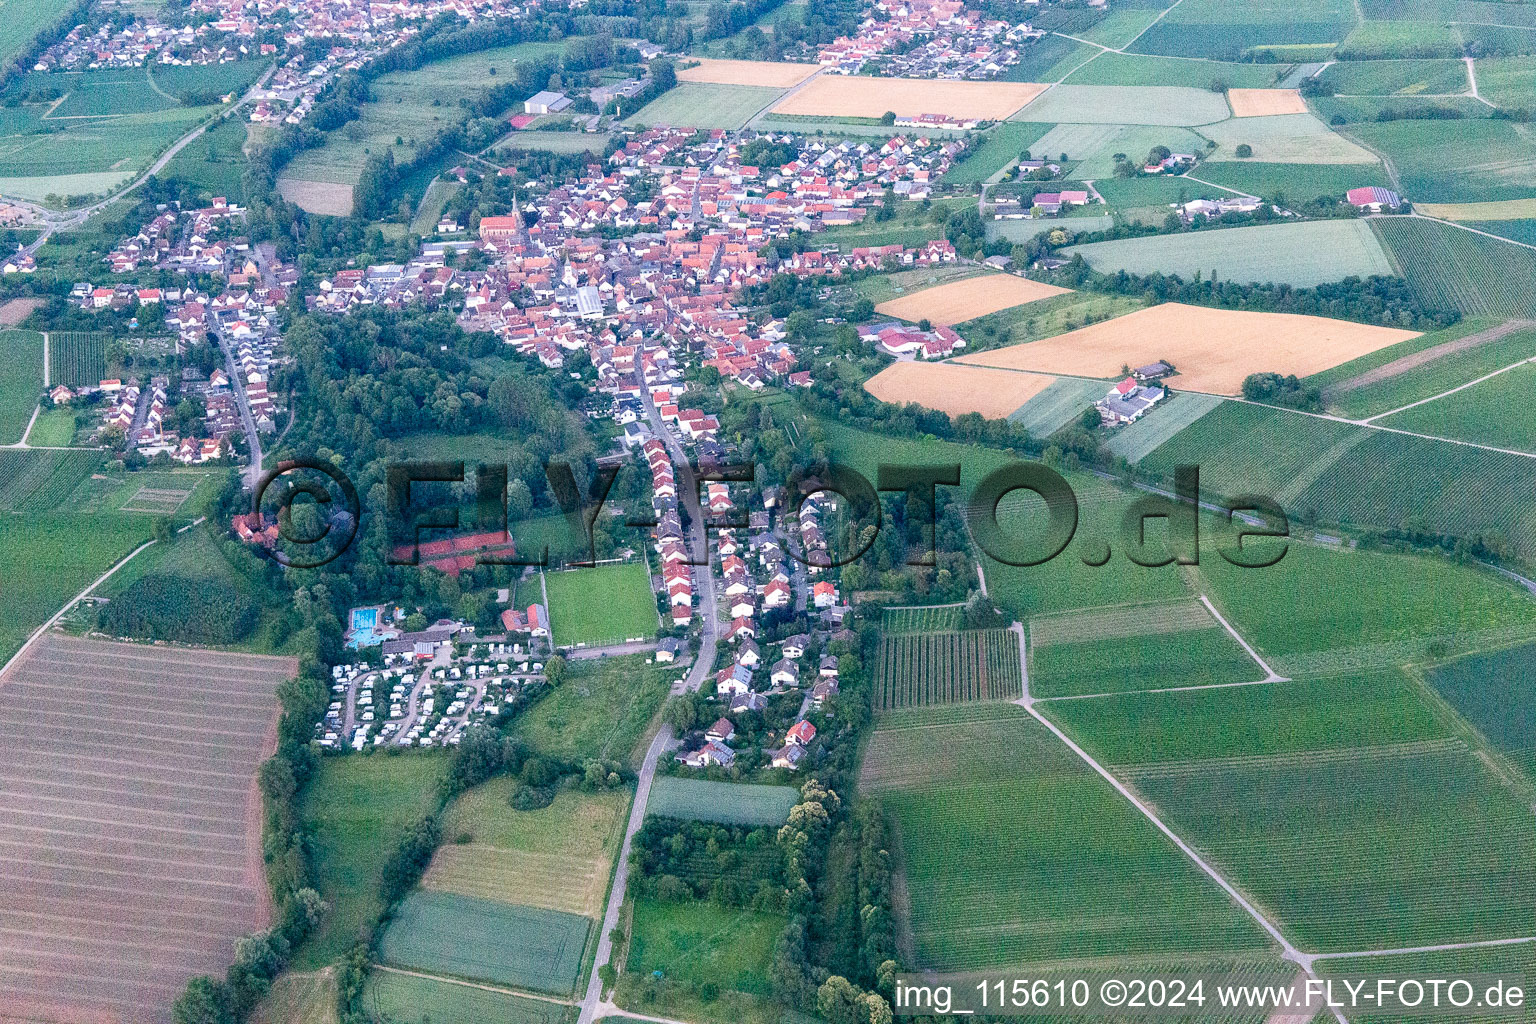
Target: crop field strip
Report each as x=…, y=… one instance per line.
x=37, y=481
x=922, y=618
x=129, y=779
x=460, y=936
x=916, y=669
x=1451, y=268
x=1475, y=489
x=994, y=819
x=1314, y=820
x=76, y=357
x=1152, y=646
x=730, y=803
x=551, y=881
x=409, y=999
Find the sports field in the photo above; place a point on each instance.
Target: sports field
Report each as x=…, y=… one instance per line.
x=557, y=857
x=481, y=940
x=704, y=105
x=132, y=831
x=1133, y=647
x=974, y=297
x=1301, y=254
x=956, y=389
x=849, y=96
x=766, y=73
x=1126, y=104
x=607, y=604
x=1265, y=102
x=994, y=819
x=730, y=803
x=1212, y=349
x=407, y=999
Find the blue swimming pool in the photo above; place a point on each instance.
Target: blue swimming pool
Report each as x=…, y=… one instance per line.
x=364, y=631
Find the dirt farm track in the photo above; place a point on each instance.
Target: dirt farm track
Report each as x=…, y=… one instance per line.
x=130, y=848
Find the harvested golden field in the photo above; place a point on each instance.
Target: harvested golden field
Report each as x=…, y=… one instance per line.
x=1506, y=209
x=959, y=301
x=1212, y=349
x=858, y=96
x=323, y=197
x=771, y=73
x=954, y=389
x=1265, y=102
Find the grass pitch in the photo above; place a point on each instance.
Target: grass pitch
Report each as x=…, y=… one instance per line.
x=607, y=604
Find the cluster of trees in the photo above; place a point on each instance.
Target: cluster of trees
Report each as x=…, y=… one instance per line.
x=187, y=609
x=732, y=865
x=1282, y=389
x=764, y=152
x=1373, y=300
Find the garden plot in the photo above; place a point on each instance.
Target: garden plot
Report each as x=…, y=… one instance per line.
x=973, y=297
x=956, y=390
x=1212, y=349
x=994, y=820
x=1265, y=102
x=132, y=833
x=916, y=669
x=157, y=500
x=1126, y=104
x=1133, y=647
x=766, y=73
x=1302, y=254
x=857, y=96
x=1284, y=139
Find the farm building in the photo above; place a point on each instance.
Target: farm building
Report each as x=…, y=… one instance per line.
x=1374, y=198
x=546, y=102
x=1127, y=402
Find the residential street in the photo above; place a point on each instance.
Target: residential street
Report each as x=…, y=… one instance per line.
x=594, y=1006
